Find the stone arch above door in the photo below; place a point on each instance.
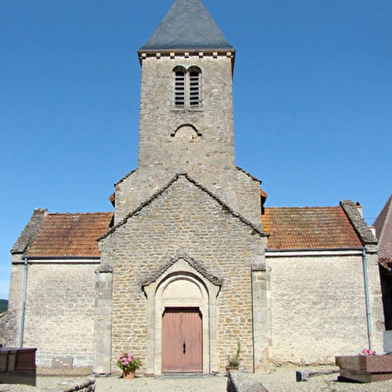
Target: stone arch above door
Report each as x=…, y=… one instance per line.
x=181, y=283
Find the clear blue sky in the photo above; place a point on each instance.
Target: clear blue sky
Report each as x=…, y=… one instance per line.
x=312, y=101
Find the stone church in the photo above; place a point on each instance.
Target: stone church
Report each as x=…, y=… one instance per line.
x=190, y=262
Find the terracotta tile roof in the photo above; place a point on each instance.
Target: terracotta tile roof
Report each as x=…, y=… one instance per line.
x=70, y=235
x=309, y=228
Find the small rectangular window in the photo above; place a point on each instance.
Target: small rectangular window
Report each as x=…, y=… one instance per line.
x=194, y=89
x=179, y=94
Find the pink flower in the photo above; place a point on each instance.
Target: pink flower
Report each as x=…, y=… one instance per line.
x=367, y=351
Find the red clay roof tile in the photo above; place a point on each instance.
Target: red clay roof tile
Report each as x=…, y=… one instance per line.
x=309, y=228
x=70, y=235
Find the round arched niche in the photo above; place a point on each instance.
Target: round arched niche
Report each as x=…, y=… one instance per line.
x=182, y=288
x=186, y=132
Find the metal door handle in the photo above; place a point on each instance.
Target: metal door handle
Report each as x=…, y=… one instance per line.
x=184, y=347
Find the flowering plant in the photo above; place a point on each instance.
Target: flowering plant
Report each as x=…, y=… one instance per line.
x=127, y=361
x=366, y=351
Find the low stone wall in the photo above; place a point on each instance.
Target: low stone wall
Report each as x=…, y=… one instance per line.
x=240, y=382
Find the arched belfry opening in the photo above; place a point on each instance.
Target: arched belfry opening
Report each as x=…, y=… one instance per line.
x=181, y=325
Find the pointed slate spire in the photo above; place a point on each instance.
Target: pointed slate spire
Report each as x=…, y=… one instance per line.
x=187, y=26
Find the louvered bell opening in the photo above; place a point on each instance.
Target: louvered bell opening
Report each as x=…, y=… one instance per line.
x=179, y=94
x=194, y=89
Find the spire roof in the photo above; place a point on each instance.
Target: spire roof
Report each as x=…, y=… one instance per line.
x=187, y=26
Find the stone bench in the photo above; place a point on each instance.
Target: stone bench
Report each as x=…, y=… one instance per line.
x=240, y=382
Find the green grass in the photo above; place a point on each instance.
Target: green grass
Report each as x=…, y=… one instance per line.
x=3, y=305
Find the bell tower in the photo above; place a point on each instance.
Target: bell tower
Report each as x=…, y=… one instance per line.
x=186, y=120
x=187, y=245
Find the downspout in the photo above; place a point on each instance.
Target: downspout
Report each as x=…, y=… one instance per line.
x=22, y=319
x=366, y=284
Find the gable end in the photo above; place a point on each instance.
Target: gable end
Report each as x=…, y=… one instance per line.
x=255, y=229
x=361, y=228
x=27, y=237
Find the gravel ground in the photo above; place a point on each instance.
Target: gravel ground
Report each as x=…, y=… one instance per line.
x=280, y=380
x=163, y=384
x=17, y=388
x=283, y=380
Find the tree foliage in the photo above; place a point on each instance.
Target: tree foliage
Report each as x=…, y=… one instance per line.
x=3, y=305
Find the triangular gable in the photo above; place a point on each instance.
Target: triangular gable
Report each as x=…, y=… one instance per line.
x=255, y=229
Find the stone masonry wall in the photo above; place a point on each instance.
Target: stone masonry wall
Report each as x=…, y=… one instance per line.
x=318, y=308
x=204, y=148
x=213, y=119
x=183, y=217
x=375, y=299
x=247, y=189
x=60, y=312
x=12, y=338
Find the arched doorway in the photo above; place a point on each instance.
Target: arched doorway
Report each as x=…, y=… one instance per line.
x=181, y=308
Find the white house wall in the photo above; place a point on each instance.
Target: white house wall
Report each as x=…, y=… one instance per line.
x=59, y=315
x=318, y=307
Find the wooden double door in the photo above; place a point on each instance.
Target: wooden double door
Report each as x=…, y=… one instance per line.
x=182, y=341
